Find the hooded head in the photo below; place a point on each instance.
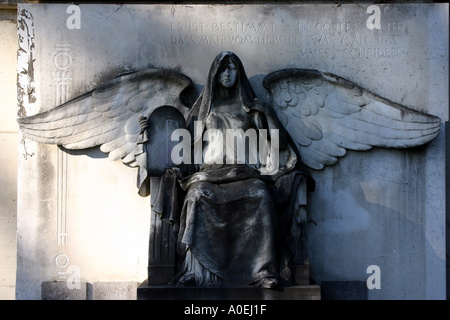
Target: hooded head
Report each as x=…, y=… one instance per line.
x=242, y=88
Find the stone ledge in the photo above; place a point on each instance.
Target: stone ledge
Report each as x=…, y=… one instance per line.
x=168, y=292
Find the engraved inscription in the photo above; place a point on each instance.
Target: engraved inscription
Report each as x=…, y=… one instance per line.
x=352, y=39
x=231, y=26
x=318, y=39
x=231, y=33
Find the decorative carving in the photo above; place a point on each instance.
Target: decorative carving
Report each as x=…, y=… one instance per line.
x=107, y=116
x=327, y=115
x=233, y=223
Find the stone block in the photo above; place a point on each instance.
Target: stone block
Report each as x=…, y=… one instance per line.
x=306, y=292
x=114, y=290
x=60, y=290
x=344, y=290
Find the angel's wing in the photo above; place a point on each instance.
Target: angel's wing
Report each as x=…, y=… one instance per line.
x=326, y=115
x=107, y=116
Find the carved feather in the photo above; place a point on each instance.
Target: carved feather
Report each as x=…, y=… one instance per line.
x=326, y=115
x=107, y=116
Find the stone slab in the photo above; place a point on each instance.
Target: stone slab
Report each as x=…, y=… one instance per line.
x=305, y=292
x=114, y=290
x=60, y=290
x=344, y=290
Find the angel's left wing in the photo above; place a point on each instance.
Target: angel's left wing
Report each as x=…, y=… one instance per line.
x=326, y=114
x=107, y=116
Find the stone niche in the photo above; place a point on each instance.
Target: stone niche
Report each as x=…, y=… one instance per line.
x=80, y=218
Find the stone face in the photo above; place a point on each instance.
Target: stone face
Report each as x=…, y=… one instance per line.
x=383, y=207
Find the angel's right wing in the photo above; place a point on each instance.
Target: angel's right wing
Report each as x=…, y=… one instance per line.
x=326, y=114
x=107, y=116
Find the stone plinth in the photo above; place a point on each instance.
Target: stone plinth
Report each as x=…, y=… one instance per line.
x=344, y=290
x=303, y=292
x=114, y=290
x=62, y=290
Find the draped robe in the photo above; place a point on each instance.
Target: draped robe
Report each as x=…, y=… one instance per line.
x=235, y=223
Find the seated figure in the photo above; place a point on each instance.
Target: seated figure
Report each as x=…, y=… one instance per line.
x=234, y=219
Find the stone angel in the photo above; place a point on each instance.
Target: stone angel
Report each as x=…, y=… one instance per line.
x=234, y=218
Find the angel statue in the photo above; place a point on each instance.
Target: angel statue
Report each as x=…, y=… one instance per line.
x=232, y=213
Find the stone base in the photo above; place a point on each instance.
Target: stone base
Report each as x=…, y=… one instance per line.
x=344, y=290
x=172, y=292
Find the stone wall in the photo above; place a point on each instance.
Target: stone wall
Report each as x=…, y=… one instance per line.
x=8, y=156
x=381, y=207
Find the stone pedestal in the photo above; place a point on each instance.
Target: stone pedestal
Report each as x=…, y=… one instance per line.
x=158, y=287
x=62, y=290
x=168, y=292
x=302, y=290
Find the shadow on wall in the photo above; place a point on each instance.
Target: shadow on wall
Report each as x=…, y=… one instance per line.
x=376, y=216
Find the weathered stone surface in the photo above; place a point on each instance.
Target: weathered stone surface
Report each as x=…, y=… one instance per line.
x=8, y=157
x=60, y=290
x=114, y=290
